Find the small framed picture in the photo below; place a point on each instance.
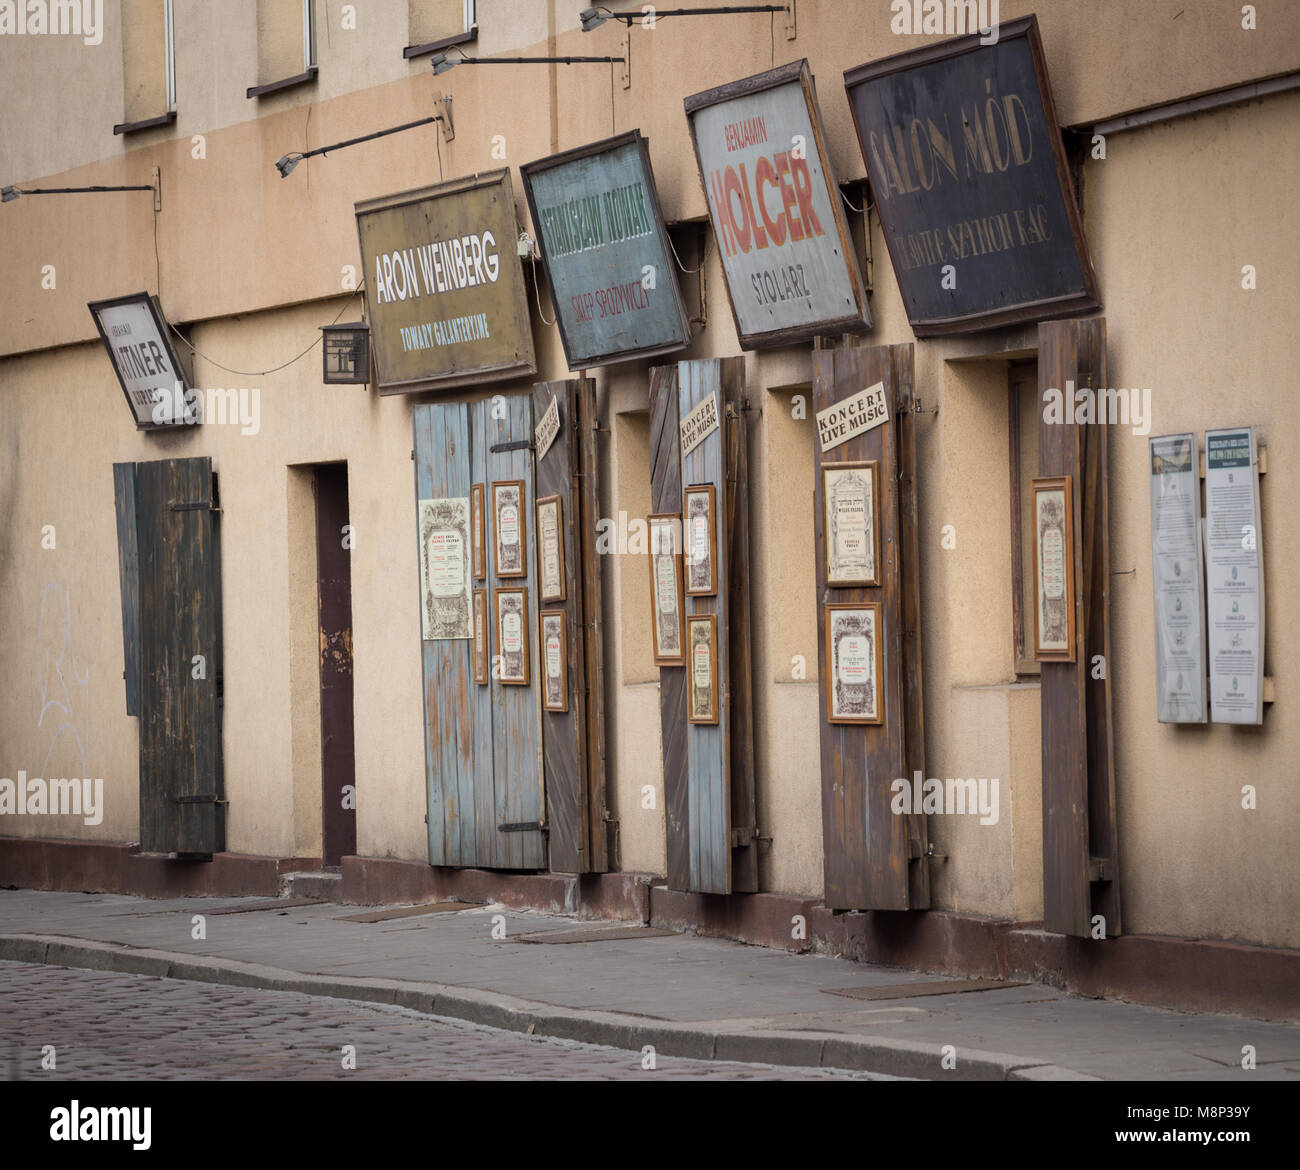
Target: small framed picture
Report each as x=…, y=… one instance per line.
x=667, y=625
x=850, y=494
x=512, y=636
x=1054, y=569
x=508, y=528
x=550, y=549
x=702, y=693
x=480, y=637
x=478, y=546
x=700, y=534
x=555, y=661
x=854, y=663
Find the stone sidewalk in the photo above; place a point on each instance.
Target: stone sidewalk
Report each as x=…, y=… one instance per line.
x=624, y=987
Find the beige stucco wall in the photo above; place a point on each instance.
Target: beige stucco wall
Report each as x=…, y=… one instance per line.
x=1172, y=214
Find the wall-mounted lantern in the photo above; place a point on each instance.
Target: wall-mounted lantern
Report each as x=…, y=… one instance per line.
x=346, y=352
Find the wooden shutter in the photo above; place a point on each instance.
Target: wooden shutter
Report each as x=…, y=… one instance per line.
x=1080, y=856
x=182, y=799
x=482, y=743
x=573, y=741
x=128, y=565
x=709, y=769
x=874, y=859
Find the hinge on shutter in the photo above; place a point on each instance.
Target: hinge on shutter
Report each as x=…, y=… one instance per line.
x=741, y=837
x=205, y=798
x=515, y=445
x=191, y=506
x=523, y=827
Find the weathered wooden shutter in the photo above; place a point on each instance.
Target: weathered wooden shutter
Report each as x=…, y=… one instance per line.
x=482, y=743
x=128, y=565
x=1080, y=855
x=709, y=769
x=874, y=859
x=174, y=576
x=573, y=741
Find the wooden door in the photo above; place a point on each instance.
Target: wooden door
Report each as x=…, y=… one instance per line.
x=334, y=615
x=510, y=785
x=174, y=575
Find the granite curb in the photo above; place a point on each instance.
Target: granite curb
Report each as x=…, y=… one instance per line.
x=701, y=1040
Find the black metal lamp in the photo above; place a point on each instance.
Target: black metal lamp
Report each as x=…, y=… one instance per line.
x=346, y=351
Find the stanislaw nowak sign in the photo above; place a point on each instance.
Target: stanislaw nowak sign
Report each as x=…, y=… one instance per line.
x=776, y=209
x=608, y=264
x=444, y=285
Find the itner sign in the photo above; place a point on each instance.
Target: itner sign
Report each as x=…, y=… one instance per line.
x=608, y=266
x=444, y=285
x=970, y=181
x=776, y=209
x=134, y=332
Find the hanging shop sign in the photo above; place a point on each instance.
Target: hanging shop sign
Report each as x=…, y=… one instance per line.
x=776, y=209
x=1177, y=576
x=608, y=262
x=444, y=285
x=970, y=181
x=136, y=335
x=1234, y=558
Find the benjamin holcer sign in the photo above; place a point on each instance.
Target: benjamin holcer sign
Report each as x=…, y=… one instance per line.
x=776, y=209
x=444, y=285
x=970, y=181
x=608, y=264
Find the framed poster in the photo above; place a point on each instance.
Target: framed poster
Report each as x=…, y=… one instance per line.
x=851, y=492
x=550, y=548
x=444, y=569
x=964, y=152
x=555, y=661
x=508, y=528
x=666, y=624
x=1054, y=569
x=702, y=692
x=1234, y=564
x=854, y=663
x=776, y=210
x=512, y=636
x=445, y=292
x=700, y=532
x=600, y=228
x=136, y=335
x=480, y=637
x=478, y=545
x=1177, y=579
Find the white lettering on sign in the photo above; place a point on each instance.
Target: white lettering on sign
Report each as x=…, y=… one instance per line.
x=853, y=416
x=699, y=424
x=545, y=432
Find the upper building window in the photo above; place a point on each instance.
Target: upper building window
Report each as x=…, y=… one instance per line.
x=286, y=45
x=437, y=24
x=148, y=65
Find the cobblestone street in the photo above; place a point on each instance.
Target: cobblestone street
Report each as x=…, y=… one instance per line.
x=106, y=1026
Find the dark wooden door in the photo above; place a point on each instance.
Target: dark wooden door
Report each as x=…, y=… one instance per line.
x=171, y=506
x=334, y=610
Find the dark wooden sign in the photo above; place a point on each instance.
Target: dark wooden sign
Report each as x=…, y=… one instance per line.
x=970, y=181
